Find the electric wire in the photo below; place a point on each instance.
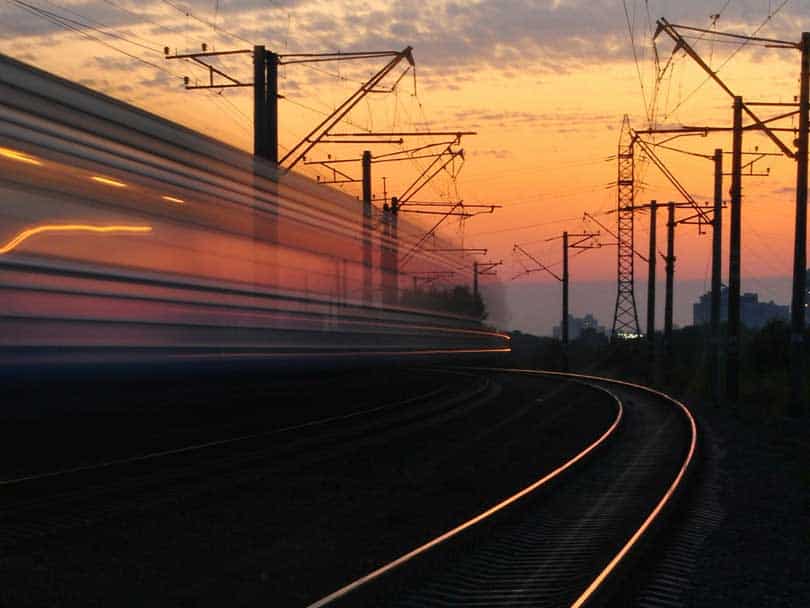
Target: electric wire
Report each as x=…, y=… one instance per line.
x=191, y=15
x=71, y=24
x=743, y=44
x=77, y=26
x=636, y=60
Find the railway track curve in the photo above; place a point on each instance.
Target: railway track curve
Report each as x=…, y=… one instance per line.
x=568, y=539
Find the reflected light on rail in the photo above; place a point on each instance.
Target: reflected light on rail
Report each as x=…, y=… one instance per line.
x=26, y=234
x=172, y=199
x=108, y=181
x=19, y=156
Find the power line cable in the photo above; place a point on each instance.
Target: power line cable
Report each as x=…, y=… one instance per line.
x=191, y=15
x=77, y=27
x=743, y=44
x=142, y=16
x=66, y=24
x=635, y=59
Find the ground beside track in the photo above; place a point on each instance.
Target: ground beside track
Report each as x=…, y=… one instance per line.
x=759, y=552
x=296, y=533
x=55, y=422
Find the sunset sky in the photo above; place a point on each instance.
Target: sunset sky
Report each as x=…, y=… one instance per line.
x=544, y=83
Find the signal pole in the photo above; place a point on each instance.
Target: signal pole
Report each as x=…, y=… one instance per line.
x=798, y=303
x=717, y=248
x=733, y=352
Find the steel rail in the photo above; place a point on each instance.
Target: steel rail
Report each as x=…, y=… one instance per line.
x=424, y=548
x=195, y=447
x=599, y=581
x=79, y=505
x=602, y=577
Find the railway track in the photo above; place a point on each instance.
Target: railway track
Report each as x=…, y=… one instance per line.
x=570, y=538
x=54, y=502
x=290, y=513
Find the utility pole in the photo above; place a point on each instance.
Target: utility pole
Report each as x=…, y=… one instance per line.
x=582, y=241
x=651, y=291
x=367, y=245
x=799, y=153
x=385, y=255
x=733, y=351
x=564, y=326
x=797, y=317
x=272, y=107
x=265, y=104
x=389, y=253
x=670, y=270
x=265, y=91
x=702, y=217
x=717, y=248
x=482, y=269
x=260, y=109
x=395, y=248
x=443, y=156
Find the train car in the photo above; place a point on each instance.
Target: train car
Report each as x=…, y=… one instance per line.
x=127, y=237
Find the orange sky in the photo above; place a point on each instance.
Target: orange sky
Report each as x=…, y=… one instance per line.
x=545, y=85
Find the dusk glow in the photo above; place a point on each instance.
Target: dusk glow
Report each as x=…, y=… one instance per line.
x=544, y=85
x=436, y=303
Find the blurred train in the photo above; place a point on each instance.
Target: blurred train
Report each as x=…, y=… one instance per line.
x=126, y=237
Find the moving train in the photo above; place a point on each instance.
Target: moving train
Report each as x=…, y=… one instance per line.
x=127, y=237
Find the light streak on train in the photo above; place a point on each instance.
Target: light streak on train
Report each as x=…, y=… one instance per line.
x=19, y=156
x=27, y=234
x=173, y=199
x=109, y=182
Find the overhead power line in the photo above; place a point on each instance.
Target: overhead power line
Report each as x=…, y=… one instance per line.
x=742, y=45
x=205, y=22
x=81, y=29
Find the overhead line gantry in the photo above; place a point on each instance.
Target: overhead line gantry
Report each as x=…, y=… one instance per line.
x=266, y=93
x=799, y=152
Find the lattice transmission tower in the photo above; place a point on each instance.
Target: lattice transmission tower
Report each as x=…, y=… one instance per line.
x=625, y=317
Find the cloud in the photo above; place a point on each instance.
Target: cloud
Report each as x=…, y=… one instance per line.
x=784, y=191
x=507, y=34
x=451, y=38
x=479, y=117
x=499, y=153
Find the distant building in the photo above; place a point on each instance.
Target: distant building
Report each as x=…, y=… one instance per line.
x=753, y=313
x=576, y=325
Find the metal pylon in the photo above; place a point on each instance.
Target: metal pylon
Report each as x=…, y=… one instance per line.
x=625, y=317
